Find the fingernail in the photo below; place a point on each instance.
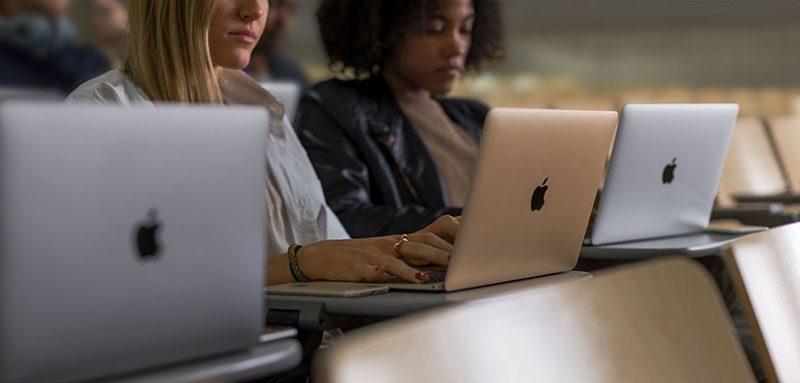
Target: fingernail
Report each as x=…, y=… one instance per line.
x=421, y=276
x=448, y=258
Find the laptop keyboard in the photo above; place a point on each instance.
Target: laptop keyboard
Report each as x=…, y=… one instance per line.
x=433, y=277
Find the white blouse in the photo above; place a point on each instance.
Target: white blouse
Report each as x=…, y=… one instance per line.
x=297, y=211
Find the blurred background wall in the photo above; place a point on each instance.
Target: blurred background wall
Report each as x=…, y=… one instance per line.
x=600, y=54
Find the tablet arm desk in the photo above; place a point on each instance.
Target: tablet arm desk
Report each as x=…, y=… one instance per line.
x=322, y=313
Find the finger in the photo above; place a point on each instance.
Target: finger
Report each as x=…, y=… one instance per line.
x=432, y=240
x=429, y=239
x=422, y=251
x=447, y=228
x=399, y=269
x=354, y=272
x=367, y=272
x=416, y=263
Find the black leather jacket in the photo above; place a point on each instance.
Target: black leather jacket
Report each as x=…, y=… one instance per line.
x=377, y=174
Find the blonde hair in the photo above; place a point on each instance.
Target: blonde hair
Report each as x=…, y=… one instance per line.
x=168, y=52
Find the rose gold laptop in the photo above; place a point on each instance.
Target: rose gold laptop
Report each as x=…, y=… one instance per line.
x=531, y=197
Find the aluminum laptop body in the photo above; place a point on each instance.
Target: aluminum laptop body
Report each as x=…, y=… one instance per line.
x=662, y=178
x=29, y=94
x=531, y=196
x=129, y=237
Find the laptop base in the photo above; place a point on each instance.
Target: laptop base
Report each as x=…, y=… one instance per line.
x=439, y=286
x=436, y=282
x=692, y=245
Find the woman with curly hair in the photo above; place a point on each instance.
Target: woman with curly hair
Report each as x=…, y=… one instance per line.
x=392, y=152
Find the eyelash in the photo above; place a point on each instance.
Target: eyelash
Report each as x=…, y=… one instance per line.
x=432, y=31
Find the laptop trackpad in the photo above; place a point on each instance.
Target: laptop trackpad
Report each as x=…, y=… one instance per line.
x=692, y=245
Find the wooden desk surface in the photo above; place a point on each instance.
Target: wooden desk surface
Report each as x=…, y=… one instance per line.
x=751, y=166
x=786, y=131
x=765, y=268
x=657, y=321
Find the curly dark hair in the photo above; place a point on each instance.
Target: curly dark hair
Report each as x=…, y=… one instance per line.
x=359, y=34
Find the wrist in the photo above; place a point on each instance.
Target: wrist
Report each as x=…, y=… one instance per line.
x=304, y=255
x=294, y=265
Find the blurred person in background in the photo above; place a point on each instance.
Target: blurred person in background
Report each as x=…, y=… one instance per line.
x=393, y=153
x=108, y=20
x=38, y=47
x=266, y=63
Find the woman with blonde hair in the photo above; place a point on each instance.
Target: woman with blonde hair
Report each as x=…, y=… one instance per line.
x=192, y=52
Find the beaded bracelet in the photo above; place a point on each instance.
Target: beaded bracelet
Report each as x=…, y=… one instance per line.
x=293, y=267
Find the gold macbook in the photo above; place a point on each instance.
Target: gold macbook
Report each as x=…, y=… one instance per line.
x=531, y=197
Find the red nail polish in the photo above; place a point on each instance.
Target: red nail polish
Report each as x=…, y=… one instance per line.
x=421, y=276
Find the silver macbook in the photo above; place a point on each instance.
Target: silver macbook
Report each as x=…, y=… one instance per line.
x=129, y=237
x=662, y=177
x=29, y=94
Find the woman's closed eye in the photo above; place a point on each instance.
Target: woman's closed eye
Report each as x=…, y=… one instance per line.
x=435, y=27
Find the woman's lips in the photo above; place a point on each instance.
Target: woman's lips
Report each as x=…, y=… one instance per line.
x=450, y=71
x=245, y=36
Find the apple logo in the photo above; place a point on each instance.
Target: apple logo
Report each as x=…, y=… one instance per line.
x=147, y=245
x=537, y=200
x=669, y=172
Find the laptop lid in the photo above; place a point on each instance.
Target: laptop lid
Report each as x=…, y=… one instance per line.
x=29, y=94
x=130, y=237
x=531, y=196
x=664, y=171
x=288, y=93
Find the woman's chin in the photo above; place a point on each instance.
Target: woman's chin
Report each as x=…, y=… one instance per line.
x=441, y=90
x=241, y=64
x=235, y=62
